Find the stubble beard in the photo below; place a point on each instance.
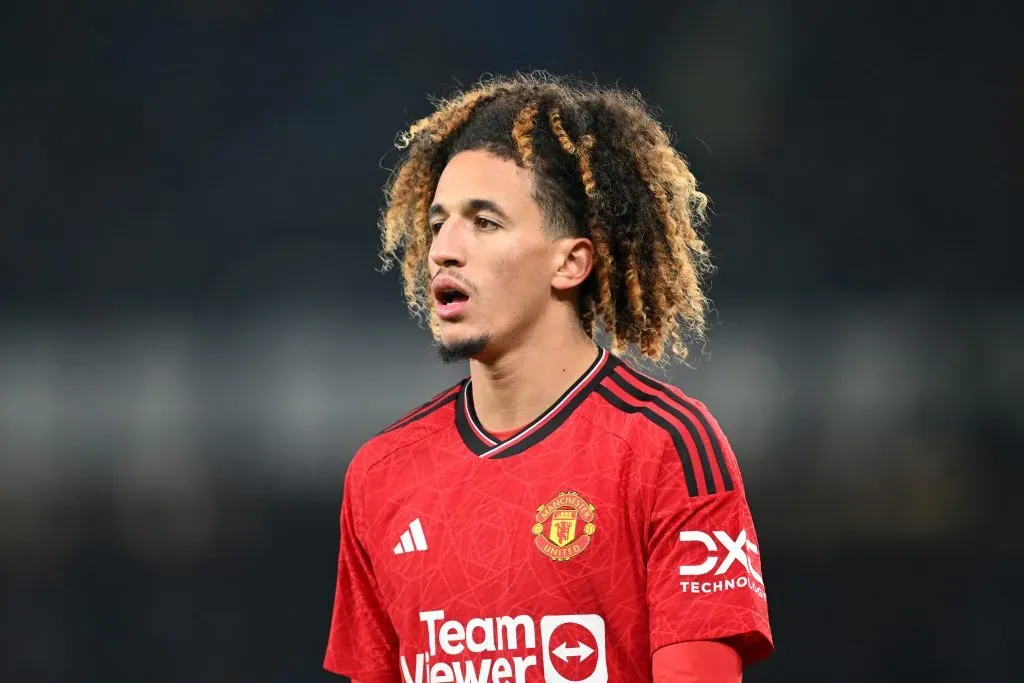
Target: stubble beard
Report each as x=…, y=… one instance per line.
x=463, y=349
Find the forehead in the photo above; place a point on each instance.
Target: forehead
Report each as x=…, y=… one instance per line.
x=476, y=174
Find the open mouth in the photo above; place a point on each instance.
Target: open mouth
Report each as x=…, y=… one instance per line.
x=450, y=296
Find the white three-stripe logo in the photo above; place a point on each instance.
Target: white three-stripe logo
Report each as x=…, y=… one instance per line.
x=412, y=539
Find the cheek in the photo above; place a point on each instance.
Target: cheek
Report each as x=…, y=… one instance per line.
x=503, y=282
x=518, y=279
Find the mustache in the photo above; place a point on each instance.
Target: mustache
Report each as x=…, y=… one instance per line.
x=455, y=276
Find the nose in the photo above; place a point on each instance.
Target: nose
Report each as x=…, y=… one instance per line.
x=447, y=248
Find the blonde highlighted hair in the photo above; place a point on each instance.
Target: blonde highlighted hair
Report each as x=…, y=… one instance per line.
x=603, y=168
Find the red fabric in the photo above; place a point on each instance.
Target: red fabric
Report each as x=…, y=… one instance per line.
x=556, y=550
x=703, y=574
x=702, y=661
x=362, y=641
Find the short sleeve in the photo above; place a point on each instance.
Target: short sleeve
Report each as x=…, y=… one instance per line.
x=704, y=575
x=362, y=643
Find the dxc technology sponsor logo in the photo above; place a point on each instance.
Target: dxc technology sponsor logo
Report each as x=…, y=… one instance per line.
x=723, y=553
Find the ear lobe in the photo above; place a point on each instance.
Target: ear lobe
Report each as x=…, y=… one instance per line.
x=576, y=260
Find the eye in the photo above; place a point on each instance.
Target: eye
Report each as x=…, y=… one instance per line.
x=435, y=227
x=485, y=223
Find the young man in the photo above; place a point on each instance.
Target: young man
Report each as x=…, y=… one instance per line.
x=556, y=516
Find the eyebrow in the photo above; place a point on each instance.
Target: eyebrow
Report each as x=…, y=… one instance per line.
x=472, y=206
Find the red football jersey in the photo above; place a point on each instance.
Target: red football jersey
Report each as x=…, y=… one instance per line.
x=612, y=525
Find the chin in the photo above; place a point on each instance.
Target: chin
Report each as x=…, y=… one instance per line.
x=454, y=348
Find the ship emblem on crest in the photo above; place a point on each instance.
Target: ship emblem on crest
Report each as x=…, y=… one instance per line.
x=564, y=526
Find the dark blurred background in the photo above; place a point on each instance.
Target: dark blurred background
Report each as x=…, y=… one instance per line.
x=194, y=339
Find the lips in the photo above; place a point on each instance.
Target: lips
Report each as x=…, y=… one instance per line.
x=450, y=297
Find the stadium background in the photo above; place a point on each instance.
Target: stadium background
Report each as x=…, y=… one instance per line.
x=194, y=340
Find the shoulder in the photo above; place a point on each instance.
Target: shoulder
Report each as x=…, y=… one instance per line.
x=416, y=425
x=661, y=421
x=649, y=406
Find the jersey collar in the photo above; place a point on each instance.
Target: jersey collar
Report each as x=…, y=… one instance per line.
x=486, y=445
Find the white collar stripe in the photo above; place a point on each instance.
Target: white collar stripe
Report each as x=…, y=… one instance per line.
x=472, y=422
x=551, y=412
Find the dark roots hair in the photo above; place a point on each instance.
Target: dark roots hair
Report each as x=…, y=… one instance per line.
x=603, y=168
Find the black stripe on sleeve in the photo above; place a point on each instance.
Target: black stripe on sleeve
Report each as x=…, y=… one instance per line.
x=716, y=445
x=677, y=438
x=685, y=420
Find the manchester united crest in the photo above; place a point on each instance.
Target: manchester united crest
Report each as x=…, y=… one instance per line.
x=564, y=526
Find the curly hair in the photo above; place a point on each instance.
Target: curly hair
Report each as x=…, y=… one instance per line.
x=603, y=168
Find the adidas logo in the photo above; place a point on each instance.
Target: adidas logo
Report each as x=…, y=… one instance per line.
x=413, y=539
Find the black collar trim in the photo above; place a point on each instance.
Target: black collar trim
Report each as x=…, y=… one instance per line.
x=486, y=445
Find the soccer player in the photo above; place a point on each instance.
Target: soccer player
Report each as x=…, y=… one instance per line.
x=557, y=515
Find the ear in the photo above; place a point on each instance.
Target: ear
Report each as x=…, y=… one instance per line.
x=574, y=259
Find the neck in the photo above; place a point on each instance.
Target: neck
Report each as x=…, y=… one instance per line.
x=518, y=385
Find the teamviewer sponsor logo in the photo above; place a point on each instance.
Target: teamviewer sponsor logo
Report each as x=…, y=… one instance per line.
x=571, y=664
x=503, y=649
x=725, y=557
